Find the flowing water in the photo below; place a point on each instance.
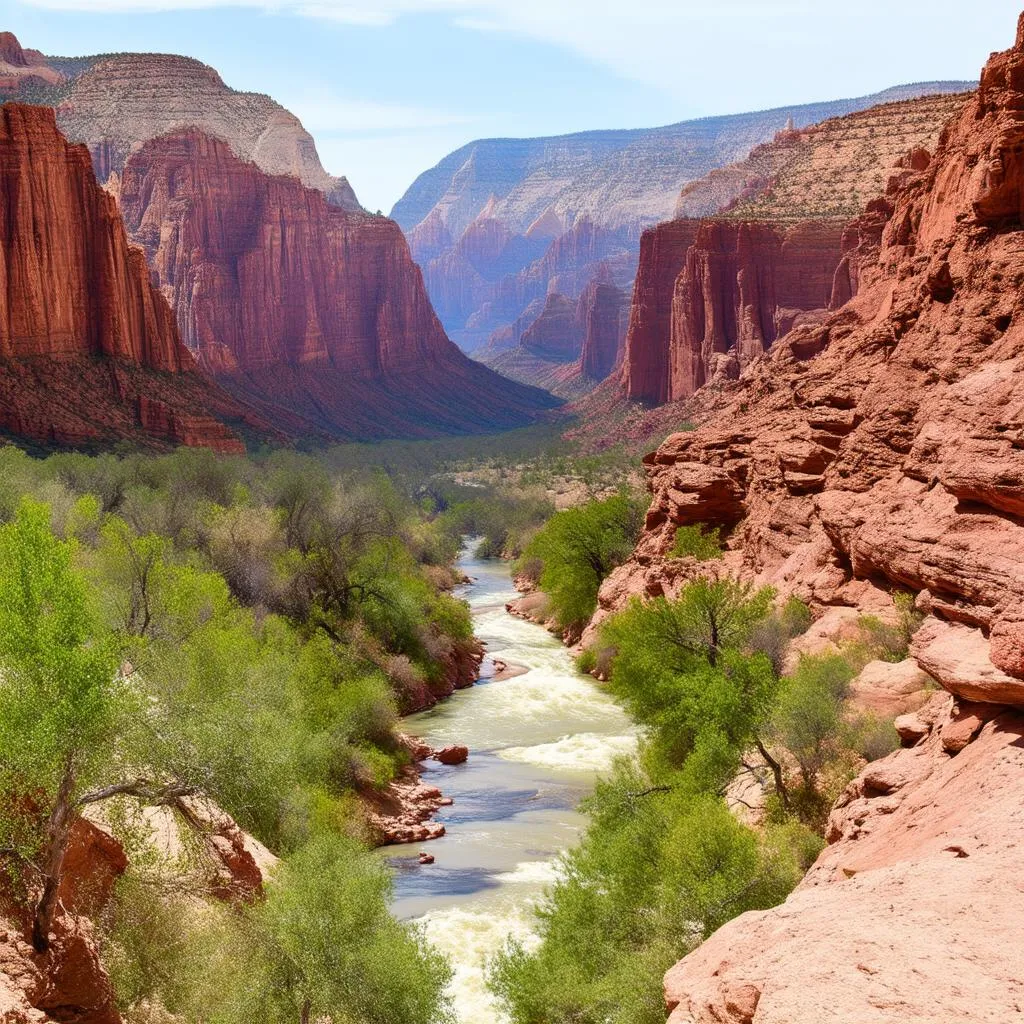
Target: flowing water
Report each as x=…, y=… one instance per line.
x=537, y=743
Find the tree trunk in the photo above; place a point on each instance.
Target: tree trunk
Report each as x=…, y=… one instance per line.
x=780, y=783
x=305, y=1012
x=57, y=828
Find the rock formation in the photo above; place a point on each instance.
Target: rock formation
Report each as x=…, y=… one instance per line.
x=314, y=314
x=558, y=208
x=89, y=351
x=23, y=70
x=116, y=102
x=557, y=332
x=876, y=932
x=561, y=345
x=709, y=297
x=879, y=451
x=603, y=311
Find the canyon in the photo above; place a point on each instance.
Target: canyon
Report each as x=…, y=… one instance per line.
x=303, y=306
x=89, y=351
x=501, y=224
x=872, y=451
x=756, y=248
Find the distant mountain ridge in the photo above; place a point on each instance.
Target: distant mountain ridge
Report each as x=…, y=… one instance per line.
x=501, y=224
x=600, y=173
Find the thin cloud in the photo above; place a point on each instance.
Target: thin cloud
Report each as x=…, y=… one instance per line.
x=677, y=46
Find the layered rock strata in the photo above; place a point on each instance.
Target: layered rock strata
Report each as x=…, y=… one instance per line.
x=314, y=314
x=89, y=351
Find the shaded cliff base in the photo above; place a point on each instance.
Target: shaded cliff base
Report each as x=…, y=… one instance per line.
x=326, y=403
x=92, y=403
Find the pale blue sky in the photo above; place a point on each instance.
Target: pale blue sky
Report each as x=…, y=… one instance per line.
x=388, y=87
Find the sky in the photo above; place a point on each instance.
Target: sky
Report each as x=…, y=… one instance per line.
x=389, y=87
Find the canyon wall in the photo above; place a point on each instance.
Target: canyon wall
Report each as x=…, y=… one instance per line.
x=294, y=302
x=558, y=209
x=879, y=451
x=742, y=285
x=710, y=297
x=89, y=350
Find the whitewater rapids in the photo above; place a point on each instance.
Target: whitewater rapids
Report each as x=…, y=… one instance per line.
x=537, y=742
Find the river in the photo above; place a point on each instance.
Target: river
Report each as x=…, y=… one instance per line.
x=537, y=743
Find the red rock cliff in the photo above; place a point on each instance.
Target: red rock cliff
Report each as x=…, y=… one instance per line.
x=710, y=296
x=603, y=313
x=742, y=286
x=883, y=450
x=646, y=375
x=73, y=291
x=300, y=302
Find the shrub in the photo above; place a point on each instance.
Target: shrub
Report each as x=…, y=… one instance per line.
x=698, y=542
x=578, y=548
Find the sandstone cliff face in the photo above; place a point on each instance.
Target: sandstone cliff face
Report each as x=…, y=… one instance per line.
x=557, y=332
x=710, y=298
x=296, y=303
x=586, y=196
x=744, y=284
x=604, y=312
x=561, y=345
x=88, y=347
x=646, y=373
x=879, y=450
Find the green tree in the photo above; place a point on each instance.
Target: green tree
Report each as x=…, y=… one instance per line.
x=578, y=548
x=66, y=718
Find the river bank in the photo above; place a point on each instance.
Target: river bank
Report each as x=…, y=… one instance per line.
x=538, y=734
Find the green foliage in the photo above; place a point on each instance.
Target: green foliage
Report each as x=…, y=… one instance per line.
x=659, y=870
x=888, y=641
x=578, y=548
x=697, y=542
x=322, y=945
x=681, y=668
x=62, y=711
x=261, y=616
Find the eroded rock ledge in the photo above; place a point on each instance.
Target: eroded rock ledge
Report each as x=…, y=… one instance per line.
x=880, y=451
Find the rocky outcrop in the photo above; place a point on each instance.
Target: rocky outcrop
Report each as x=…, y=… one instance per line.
x=743, y=285
x=557, y=332
x=118, y=102
x=879, y=444
x=314, y=314
x=604, y=314
x=878, y=451
x=710, y=296
x=877, y=931
x=89, y=351
x=23, y=70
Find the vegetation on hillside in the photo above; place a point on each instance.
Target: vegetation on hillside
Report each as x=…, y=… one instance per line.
x=666, y=860
x=199, y=625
